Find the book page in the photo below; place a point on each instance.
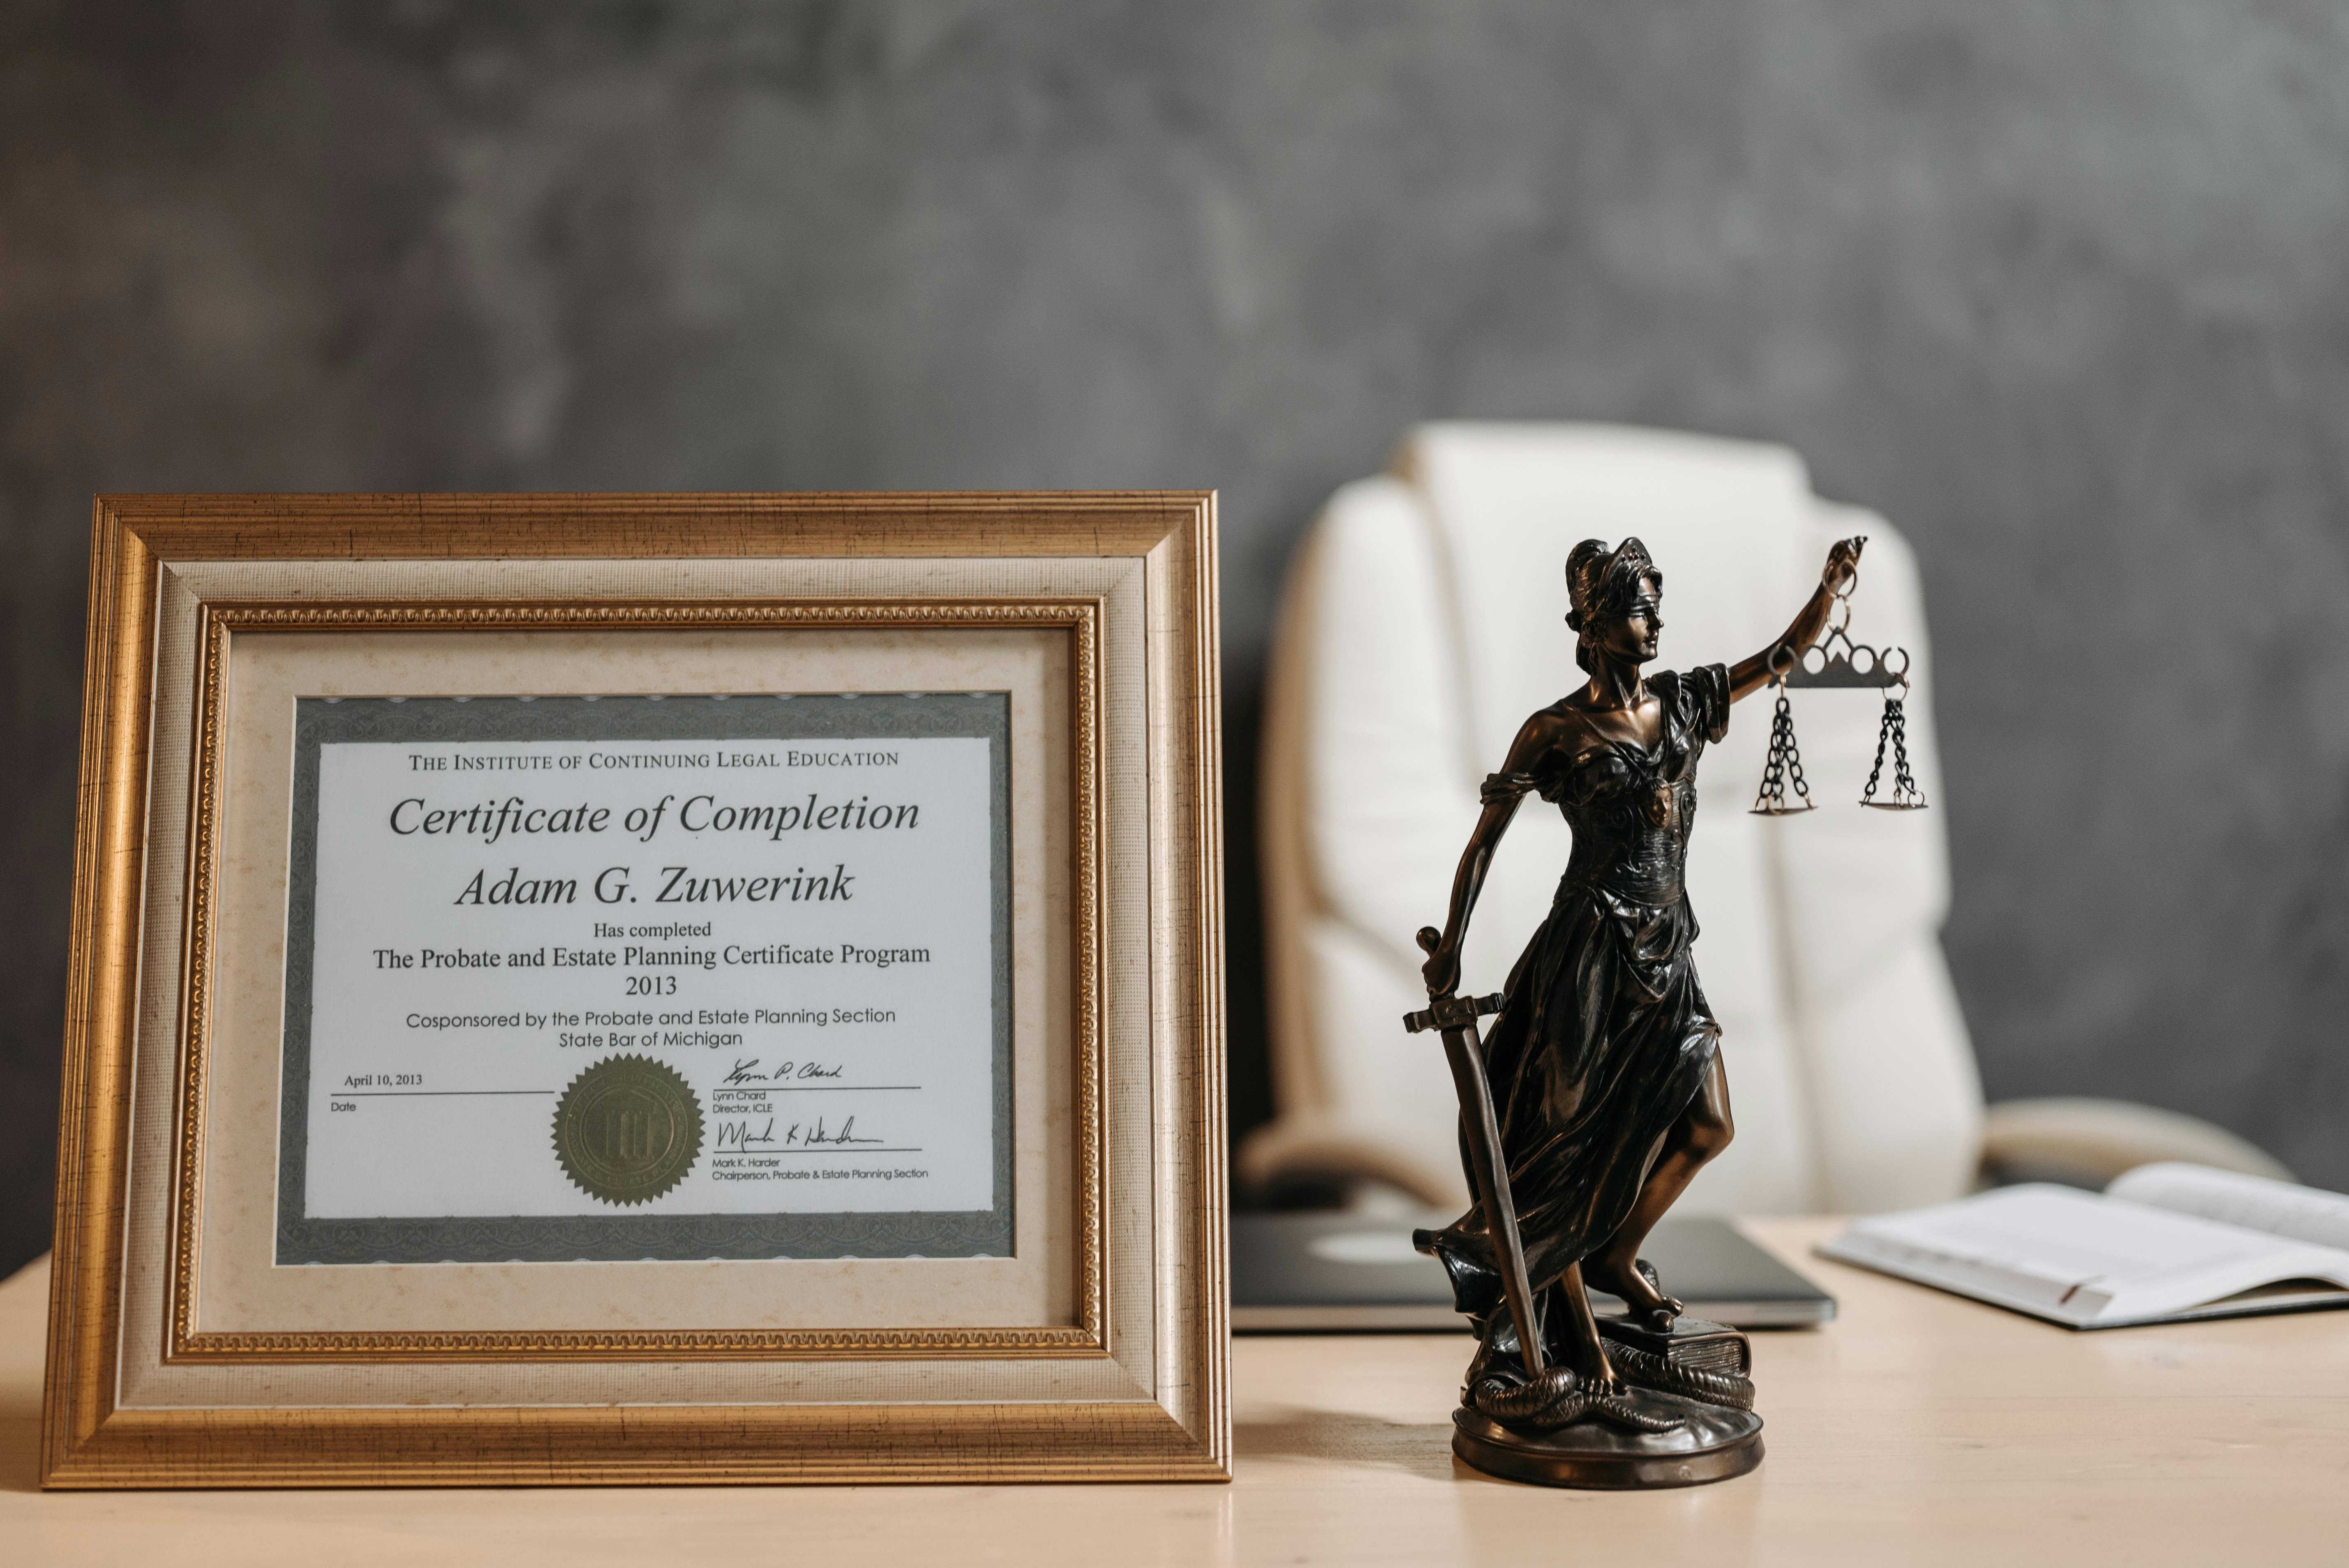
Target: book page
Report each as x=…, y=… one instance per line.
x=2079, y=1257
x=2279, y=1208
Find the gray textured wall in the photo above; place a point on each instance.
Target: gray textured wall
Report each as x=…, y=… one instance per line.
x=2062, y=287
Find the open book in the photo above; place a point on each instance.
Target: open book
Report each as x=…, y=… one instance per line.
x=2164, y=1243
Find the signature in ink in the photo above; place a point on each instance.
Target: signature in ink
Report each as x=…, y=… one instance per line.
x=811, y=1137
x=745, y=1135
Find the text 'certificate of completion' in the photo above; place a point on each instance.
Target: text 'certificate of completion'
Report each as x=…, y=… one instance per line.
x=644, y=978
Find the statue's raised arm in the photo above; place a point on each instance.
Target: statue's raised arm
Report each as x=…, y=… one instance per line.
x=1749, y=676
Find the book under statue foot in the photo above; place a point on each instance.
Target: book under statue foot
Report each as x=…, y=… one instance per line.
x=1598, y=1092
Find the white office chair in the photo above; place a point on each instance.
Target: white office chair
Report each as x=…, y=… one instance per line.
x=1423, y=620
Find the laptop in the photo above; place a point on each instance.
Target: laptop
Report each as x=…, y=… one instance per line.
x=1338, y=1271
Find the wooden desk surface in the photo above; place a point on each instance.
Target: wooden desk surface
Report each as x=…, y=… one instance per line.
x=1918, y=1428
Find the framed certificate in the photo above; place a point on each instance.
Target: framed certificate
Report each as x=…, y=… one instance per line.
x=649, y=988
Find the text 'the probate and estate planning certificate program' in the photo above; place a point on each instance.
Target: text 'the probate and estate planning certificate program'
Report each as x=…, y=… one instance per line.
x=644, y=978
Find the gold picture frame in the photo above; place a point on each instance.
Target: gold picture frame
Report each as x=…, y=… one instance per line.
x=1127, y=1379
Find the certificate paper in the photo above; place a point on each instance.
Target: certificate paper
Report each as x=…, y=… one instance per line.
x=645, y=977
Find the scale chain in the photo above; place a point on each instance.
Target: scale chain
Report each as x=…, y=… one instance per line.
x=1895, y=729
x=1783, y=766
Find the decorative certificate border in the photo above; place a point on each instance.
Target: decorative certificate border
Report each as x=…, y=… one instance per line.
x=623, y=1237
x=222, y=623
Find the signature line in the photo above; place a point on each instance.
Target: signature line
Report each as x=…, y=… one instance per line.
x=829, y=1149
x=840, y=1088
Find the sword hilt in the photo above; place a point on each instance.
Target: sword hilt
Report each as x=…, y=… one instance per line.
x=1447, y=1011
x=1452, y=1012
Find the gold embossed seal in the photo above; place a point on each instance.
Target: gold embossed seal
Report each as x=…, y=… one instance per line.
x=627, y=1130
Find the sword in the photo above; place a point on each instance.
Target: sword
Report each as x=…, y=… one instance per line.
x=1456, y=1017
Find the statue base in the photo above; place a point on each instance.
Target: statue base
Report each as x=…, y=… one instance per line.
x=1712, y=1441
x=1711, y=1444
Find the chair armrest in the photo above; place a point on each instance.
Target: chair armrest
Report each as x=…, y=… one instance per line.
x=1313, y=1149
x=2087, y=1142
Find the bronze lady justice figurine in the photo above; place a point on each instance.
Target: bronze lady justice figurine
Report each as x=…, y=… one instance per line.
x=1606, y=1082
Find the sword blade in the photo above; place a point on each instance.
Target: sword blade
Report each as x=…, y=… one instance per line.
x=1464, y=1051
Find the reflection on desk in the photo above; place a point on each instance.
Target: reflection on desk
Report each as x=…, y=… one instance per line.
x=1916, y=1429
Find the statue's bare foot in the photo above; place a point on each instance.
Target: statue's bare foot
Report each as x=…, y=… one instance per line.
x=1636, y=1287
x=1597, y=1373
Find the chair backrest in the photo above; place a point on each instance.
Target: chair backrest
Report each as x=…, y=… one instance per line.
x=1423, y=621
